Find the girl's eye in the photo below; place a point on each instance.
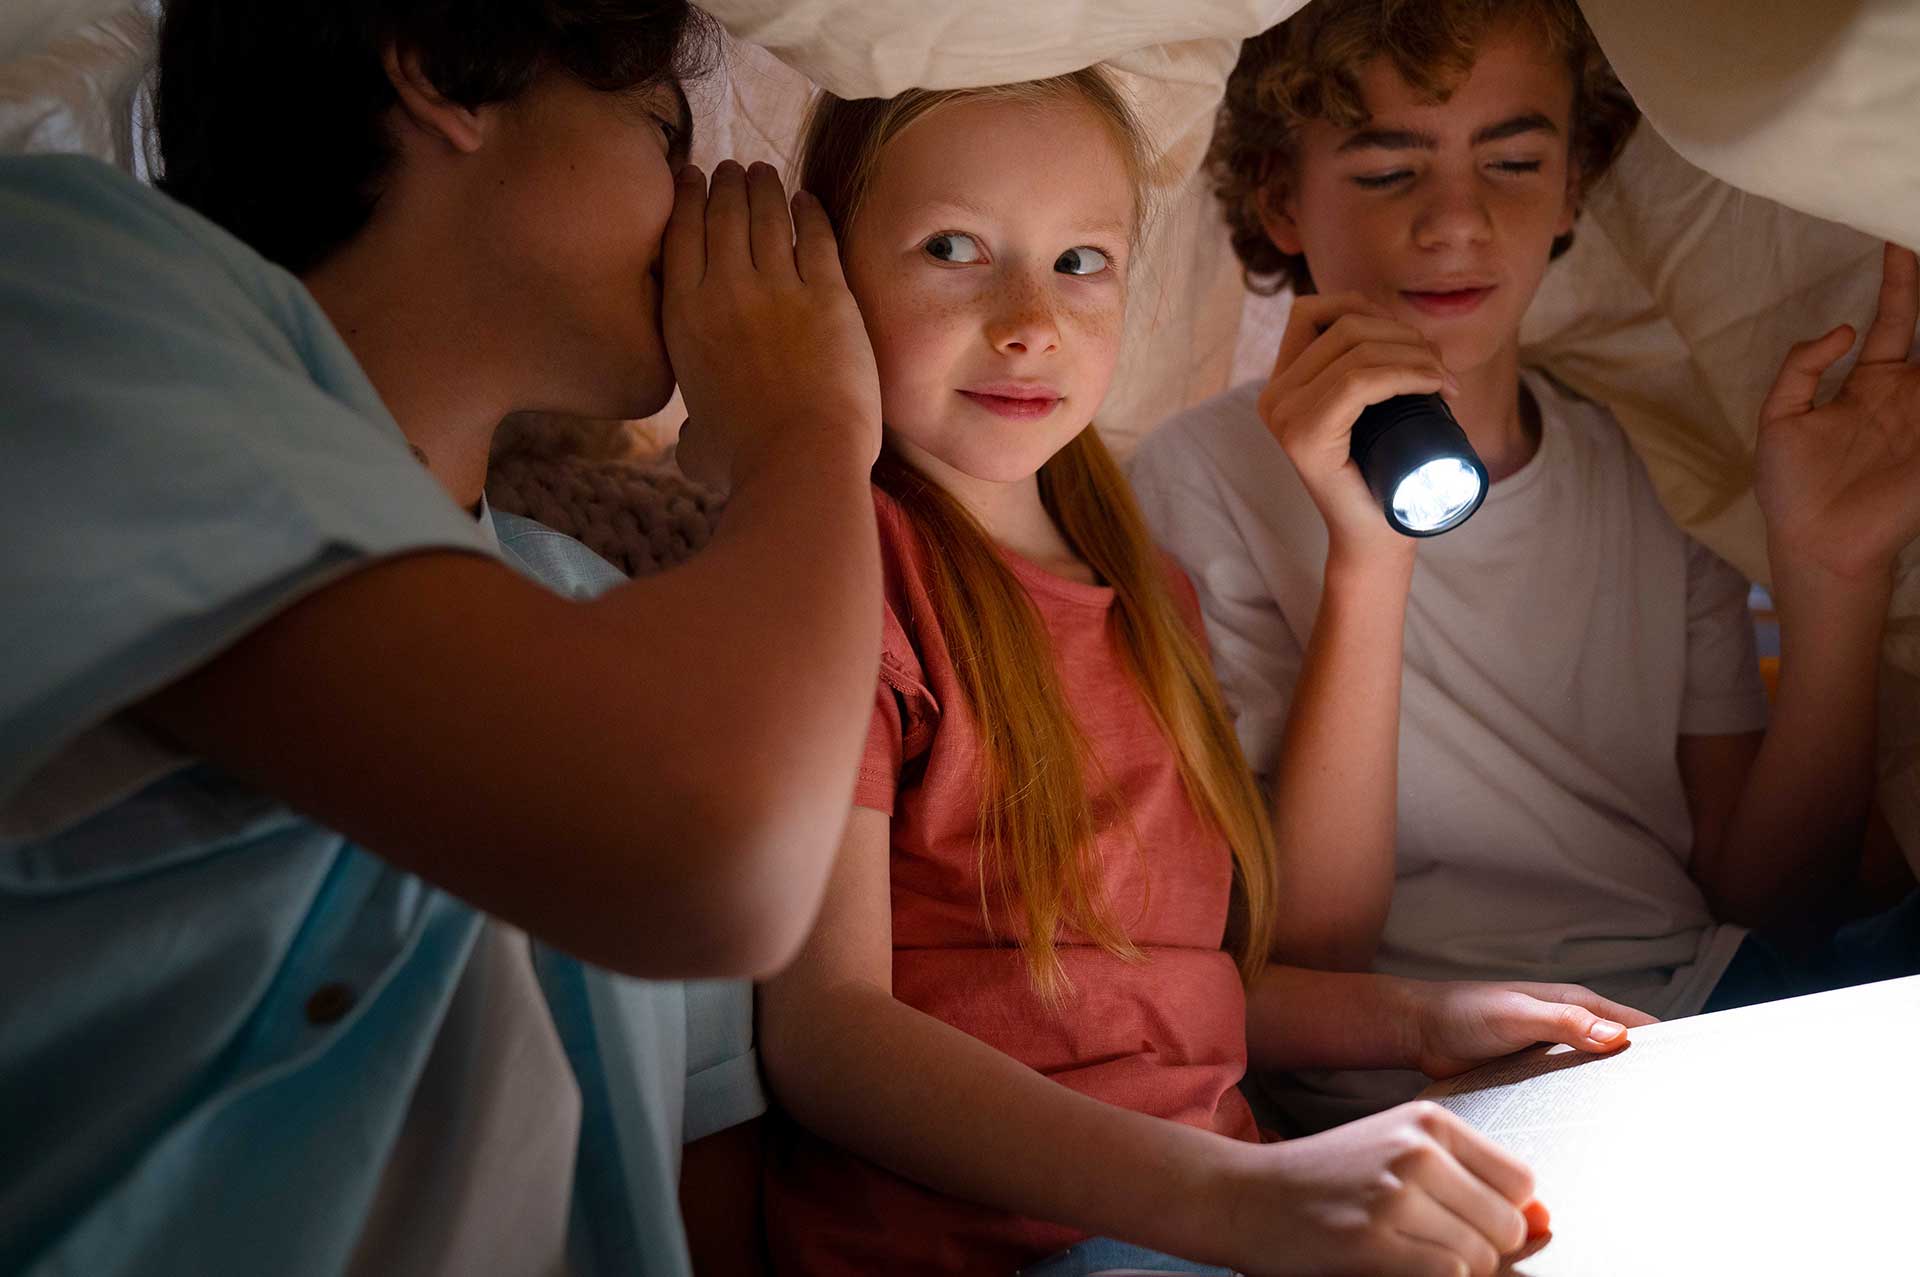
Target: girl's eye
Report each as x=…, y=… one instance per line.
x=1082, y=261
x=1517, y=166
x=1379, y=181
x=952, y=246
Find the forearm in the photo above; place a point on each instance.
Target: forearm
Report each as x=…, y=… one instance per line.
x=771, y=648
x=654, y=781
x=760, y=657
x=1299, y=1018
x=1799, y=819
x=1336, y=781
x=940, y=1107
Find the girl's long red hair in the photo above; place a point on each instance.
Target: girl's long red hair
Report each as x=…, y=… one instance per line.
x=1042, y=800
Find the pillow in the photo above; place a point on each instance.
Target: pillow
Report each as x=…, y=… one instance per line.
x=78, y=92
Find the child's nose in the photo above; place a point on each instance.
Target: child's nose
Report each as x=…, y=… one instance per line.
x=1023, y=322
x=1453, y=214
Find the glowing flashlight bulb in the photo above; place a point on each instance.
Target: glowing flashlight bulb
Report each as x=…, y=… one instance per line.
x=1435, y=494
x=1418, y=463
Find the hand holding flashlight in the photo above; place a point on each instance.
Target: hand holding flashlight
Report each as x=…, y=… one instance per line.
x=1340, y=354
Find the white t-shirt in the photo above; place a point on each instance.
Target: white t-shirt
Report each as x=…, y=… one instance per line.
x=1557, y=645
x=481, y=1176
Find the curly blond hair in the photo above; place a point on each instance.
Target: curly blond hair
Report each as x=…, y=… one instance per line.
x=1307, y=68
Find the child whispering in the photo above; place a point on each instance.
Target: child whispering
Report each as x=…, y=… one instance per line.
x=1044, y=956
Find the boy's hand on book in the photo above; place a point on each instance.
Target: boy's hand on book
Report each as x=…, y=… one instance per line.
x=1459, y=1024
x=1340, y=353
x=1839, y=484
x=766, y=341
x=1411, y=1191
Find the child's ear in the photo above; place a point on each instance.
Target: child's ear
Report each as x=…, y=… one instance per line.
x=1570, y=205
x=1276, y=217
x=421, y=100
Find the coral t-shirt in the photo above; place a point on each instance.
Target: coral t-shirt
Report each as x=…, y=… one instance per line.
x=1165, y=1037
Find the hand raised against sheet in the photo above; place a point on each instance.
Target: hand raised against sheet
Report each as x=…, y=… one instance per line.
x=1839, y=483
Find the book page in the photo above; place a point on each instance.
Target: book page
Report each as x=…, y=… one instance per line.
x=1780, y=1138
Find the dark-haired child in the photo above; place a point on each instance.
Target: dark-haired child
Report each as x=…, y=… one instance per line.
x=277, y=722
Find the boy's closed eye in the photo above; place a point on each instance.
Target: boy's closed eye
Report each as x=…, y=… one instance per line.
x=1499, y=168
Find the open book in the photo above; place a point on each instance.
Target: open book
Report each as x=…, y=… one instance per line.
x=1782, y=1138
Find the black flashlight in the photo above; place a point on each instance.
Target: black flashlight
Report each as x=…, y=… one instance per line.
x=1418, y=464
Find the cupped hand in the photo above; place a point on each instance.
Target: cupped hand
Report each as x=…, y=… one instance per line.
x=1340, y=353
x=1839, y=483
x=765, y=340
x=1461, y=1023
x=1411, y=1192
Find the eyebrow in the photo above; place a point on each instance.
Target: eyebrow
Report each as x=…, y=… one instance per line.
x=970, y=209
x=1407, y=140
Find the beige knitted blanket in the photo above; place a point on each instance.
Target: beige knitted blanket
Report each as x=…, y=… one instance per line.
x=589, y=480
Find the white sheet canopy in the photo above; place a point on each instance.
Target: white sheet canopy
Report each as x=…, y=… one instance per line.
x=1746, y=218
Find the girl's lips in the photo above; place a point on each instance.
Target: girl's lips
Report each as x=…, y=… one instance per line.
x=1455, y=302
x=1022, y=408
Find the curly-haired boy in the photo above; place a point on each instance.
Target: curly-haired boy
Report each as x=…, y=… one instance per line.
x=1535, y=747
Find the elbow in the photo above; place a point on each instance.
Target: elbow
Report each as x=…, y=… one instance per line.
x=712, y=924
x=768, y=926
x=758, y=891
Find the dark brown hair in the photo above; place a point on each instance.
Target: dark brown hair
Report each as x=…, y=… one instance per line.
x=1307, y=68
x=272, y=114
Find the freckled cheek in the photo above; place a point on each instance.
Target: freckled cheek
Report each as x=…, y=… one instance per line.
x=917, y=338
x=1098, y=329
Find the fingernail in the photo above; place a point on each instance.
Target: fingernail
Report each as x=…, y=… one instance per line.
x=690, y=173
x=1605, y=1030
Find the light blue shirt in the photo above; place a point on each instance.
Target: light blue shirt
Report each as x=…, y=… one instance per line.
x=659, y=1063
x=215, y=1010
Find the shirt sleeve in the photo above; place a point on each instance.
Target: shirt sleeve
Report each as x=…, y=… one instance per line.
x=189, y=448
x=1724, y=694
x=905, y=714
x=723, y=1068
x=881, y=761
x=1255, y=653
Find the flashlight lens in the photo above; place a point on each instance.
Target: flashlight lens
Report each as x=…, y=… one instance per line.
x=1436, y=494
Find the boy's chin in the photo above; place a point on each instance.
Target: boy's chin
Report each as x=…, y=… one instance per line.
x=648, y=393
x=1468, y=353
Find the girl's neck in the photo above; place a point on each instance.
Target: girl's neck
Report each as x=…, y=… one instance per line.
x=1010, y=511
x=1488, y=409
